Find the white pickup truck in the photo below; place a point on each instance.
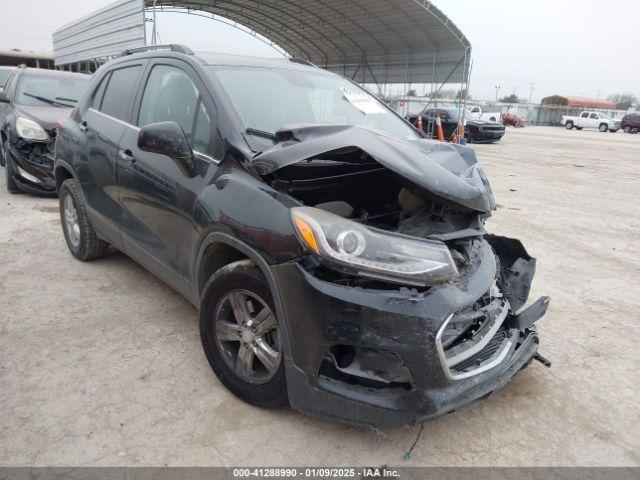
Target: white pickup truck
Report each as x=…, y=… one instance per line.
x=476, y=112
x=588, y=119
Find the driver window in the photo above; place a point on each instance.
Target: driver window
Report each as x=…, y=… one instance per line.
x=593, y=115
x=170, y=95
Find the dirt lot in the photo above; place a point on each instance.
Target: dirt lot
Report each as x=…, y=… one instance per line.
x=101, y=364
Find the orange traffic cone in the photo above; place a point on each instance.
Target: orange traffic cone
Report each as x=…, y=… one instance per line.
x=439, y=127
x=420, y=127
x=460, y=132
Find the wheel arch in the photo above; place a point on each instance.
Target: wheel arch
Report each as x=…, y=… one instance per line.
x=62, y=173
x=219, y=248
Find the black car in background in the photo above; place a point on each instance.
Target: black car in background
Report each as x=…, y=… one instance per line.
x=339, y=260
x=32, y=102
x=4, y=75
x=476, y=130
x=631, y=123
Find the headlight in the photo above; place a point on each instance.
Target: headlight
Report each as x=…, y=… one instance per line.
x=30, y=130
x=351, y=247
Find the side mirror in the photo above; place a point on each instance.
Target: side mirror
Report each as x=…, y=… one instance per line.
x=3, y=97
x=167, y=138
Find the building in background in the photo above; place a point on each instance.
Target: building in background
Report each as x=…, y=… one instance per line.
x=30, y=59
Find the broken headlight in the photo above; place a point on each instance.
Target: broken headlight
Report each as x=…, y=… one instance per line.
x=353, y=248
x=30, y=130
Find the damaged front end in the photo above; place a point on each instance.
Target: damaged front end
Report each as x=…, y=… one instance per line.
x=404, y=308
x=32, y=164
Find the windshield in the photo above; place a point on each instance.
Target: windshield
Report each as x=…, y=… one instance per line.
x=270, y=99
x=41, y=90
x=4, y=74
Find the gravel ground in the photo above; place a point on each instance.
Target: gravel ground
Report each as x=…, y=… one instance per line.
x=101, y=364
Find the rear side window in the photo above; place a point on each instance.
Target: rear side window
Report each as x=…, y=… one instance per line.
x=119, y=90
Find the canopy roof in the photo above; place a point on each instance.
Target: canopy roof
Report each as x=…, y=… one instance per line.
x=578, y=102
x=372, y=41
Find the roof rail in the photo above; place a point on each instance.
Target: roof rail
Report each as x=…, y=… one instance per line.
x=173, y=47
x=302, y=61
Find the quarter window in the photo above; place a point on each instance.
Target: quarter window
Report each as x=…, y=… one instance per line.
x=117, y=96
x=7, y=85
x=99, y=92
x=170, y=95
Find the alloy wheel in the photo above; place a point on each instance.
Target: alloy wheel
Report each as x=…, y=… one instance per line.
x=71, y=222
x=247, y=336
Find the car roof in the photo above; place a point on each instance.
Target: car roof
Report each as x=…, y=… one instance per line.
x=52, y=73
x=226, y=59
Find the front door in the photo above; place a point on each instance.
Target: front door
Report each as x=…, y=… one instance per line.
x=155, y=192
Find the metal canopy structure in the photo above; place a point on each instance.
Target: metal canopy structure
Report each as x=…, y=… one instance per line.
x=381, y=42
x=100, y=35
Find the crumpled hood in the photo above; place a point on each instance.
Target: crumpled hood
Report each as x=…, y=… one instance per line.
x=446, y=170
x=45, y=116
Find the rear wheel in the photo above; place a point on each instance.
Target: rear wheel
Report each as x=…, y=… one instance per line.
x=241, y=336
x=81, y=238
x=568, y=125
x=627, y=129
x=603, y=127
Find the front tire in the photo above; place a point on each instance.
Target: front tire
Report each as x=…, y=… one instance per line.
x=603, y=127
x=568, y=125
x=3, y=162
x=12, y=186
x=81, y=238
x=241, y=336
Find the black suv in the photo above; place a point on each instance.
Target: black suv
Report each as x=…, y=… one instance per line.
x=339, y=260
x=32, y=102
x=631, y=123
x=476, y=130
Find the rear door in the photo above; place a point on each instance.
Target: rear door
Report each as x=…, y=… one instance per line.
x=104, y=124
x=157, y=195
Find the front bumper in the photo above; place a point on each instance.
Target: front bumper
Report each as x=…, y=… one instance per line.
x=32, y=164
x=488, y=135
x=399, y=377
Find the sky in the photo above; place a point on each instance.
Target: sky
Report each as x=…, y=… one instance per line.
x=570, y=47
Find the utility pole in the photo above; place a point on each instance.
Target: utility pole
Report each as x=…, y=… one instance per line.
x=531, y=93
x=154, y=34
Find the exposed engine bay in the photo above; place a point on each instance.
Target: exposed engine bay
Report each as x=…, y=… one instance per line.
x=398, y=196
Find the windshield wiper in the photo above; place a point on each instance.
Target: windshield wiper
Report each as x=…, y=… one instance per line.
x=74, y=100
x=261, y=133
x=46, y=100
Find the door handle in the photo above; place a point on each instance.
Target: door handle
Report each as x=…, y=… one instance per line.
x=126, y=156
